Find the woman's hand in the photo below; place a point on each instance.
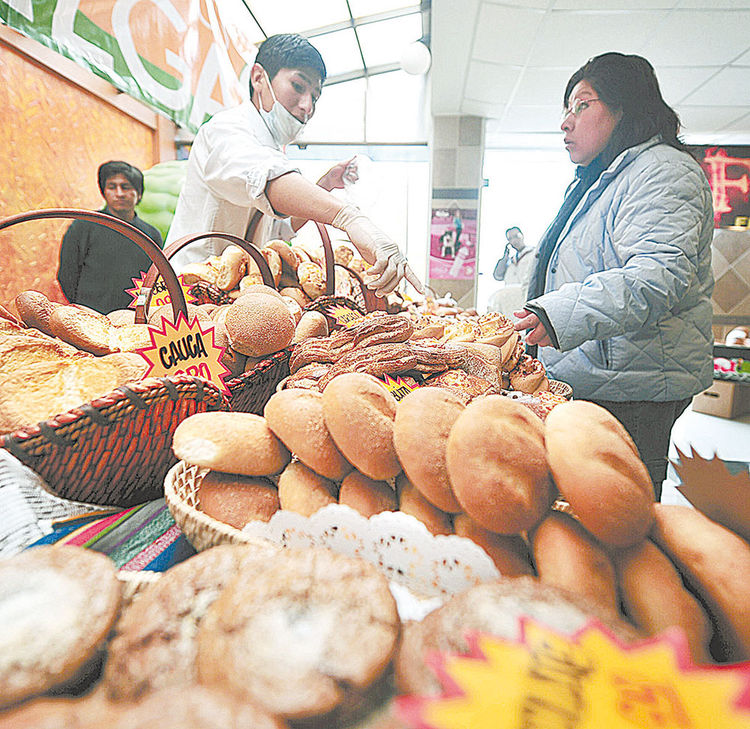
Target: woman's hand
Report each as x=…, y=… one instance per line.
x=538, y=334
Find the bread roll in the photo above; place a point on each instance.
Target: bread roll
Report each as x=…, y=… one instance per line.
x=230, y=442
x=35, y=309
x=87, y=331
x=259, y=324
x=312, y=278
x=497, y=465
x=655, y=598
x=367, y=496
x=597, y=468
x=273, y=259
x=412, y=502
x=193, y=273
x=289, y=258
x=231, y=359
x=156, y=315
x=568, y=557
x=359, y=412
x=296, y=417
x=236, y=500
x=423, y=421
x=130, y=365
x=303, y=491
x=715, y=563
x=249, y=282
x=509, y=552
x=311, y=324
x=120, y=317
x=232, y=267
x=294, y=309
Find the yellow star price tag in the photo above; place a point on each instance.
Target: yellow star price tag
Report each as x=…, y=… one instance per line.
x=397, y=387
x=586, y=681
x=160, y=295
x=344, y=316
x=185, y=349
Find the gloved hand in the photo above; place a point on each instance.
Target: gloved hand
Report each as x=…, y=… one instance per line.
x=388, y=263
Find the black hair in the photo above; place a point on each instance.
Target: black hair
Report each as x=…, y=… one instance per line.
x=627, y=84
x=116, y=167
x=513, y=227
x=288, y=50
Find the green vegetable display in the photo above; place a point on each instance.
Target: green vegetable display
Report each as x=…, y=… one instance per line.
x=161, y=188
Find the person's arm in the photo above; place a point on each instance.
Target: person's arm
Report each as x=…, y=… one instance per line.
x=333, y=179
x=501, y=266
x=71, y=261
x=655, y=233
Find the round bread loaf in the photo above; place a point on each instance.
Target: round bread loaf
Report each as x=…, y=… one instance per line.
x=359, y=412
x=296, y=417
x=259, y=324
x=497, y=465
x=293, y=292
x=597, y=468
x=35, y=309
x=230, y=442
x=311, y=324
x=165, y=312
x=303, y=491
x=424, y=419
x=509, y=552
x=236, y=500
x=155, y=642
x=294, y=309
x=303, y=635
x=412, y=502
x=367, y=496
x=58, y=604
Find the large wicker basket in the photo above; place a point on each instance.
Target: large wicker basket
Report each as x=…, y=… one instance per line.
x=250, y=391
x=116, y=448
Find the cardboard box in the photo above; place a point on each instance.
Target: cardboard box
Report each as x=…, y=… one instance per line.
x=725, y=399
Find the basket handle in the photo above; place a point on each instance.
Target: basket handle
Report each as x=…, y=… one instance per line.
x=179, y=244
x=160, y=262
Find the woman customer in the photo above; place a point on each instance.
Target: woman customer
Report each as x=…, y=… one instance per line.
x=620, y=297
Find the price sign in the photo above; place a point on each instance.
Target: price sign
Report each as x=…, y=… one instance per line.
x=586, y=681
x=160, y=295
x=186, y=348
x=397, y=387
x=344, y=316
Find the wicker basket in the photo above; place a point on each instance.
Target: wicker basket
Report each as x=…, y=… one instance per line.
x=561, y=388
x=116, y=448
x=202, y=531
x=250, y=391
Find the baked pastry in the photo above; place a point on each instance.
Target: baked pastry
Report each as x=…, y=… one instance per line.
x=273, y=259
x=259, y=324
x=296, y=417
x=359, y=412
x=597, y=468
x=232, y=267
x=529, y=375
x=155, y=642
x=35, y=309
x=412, y=502
x=302, y=635
x=58, y=605
x=367, y=496
x=230, y=442
x=461, y=381
x=312, y=279
x=303, y=491
x=423, y=421
x=235, y=499
x=497, y=465
x=509, y=552
x=311, y=324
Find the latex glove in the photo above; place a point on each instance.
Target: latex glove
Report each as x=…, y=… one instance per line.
x=388, y=263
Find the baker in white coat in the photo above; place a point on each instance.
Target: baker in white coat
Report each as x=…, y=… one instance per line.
x=237, y=165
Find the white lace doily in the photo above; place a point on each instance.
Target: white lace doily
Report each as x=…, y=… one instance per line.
x=422, y=569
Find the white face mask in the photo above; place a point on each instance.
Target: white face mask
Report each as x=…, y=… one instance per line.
x=283, y=125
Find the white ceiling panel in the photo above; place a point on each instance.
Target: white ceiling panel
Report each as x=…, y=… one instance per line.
x=284, y=17
x=339, y=50
x=532, y=119
x=707, y=119
x=363, y=8
x=491, y=83
x=614, y=5
x=383, y=42
x=740, y=124
x=700, y=38
x=677, y=83
x=729, y=87
x=505, y=35
x=543, y=86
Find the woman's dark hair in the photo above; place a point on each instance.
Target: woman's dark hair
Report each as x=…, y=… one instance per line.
x=288, y=50
x=116, y=167
x=628, y=84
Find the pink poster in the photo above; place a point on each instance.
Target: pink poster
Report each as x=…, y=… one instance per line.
x=453, y=238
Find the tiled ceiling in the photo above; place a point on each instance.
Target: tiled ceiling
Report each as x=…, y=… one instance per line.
x=509, y=61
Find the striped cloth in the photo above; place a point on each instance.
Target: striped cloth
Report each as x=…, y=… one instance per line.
x=143, y=537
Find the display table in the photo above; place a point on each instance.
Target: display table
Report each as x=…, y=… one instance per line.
x=709, y=436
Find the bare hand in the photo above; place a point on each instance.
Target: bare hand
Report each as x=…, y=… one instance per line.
x=538, y=334
x=340, y=173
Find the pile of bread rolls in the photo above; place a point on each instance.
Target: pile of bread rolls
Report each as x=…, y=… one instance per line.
x=297, y=272
x=566, y=500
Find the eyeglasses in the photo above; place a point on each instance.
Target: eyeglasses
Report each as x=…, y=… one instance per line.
x=578, y=107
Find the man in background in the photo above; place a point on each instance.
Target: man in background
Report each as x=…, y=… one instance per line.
x=98, y=264
x=514, y=270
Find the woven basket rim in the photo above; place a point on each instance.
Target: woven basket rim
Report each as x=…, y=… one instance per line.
x=140, y=388
x=183, y=514
x=272, y=360
x=561, y=388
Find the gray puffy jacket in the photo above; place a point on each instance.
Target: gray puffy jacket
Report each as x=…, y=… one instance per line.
x=629, y=283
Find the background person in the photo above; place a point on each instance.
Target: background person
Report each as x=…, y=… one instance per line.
x=513, y=268
x=237, y=166
x=620, y=296
x=98, y=264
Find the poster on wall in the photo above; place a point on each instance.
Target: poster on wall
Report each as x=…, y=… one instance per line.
x=728, y=172
x=184, y=58
x=453, y=242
